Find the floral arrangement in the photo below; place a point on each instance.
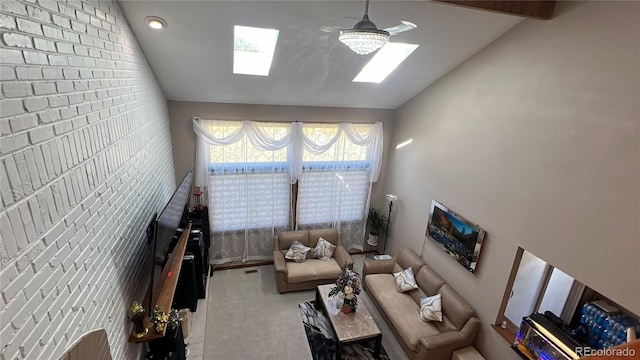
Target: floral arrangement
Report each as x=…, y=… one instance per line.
x=347, y=288
x=159, y=319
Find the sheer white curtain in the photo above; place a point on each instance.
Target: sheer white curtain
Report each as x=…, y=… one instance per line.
x=246, y=168
x=339, y=164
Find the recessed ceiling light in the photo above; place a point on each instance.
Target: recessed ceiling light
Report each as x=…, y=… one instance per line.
x=155, y=22
x=253, y=50
x=384, y=62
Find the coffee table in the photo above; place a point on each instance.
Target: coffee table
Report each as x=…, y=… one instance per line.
x=349, y=328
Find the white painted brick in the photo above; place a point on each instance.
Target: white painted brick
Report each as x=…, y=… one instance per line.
x=17, y=40
x=35, y=58
x=52, y=5
x=11, y=107
x=76, y=98
x=31, y=166
x=82, y=16
x=94, y=33
x=5, y=188
x=42, y=168
x=48, y=160
x=13, y=6
x=14, y=178
x=29, y=26
x=27, y=222
x=33, y=104
x=63, y=127
x=75, y=61
x=69, y=112
x=29, y=73
x=58, y=100
x=12, y=309
x=64, y=86
x=16, y=286
x=7, y=73
x=18, y=229
x=23, y=122
x=51, y=32
x=52, y=236
x=12, y=143
x=8, y=237
x=41, y=134
x=51, y=205
x=7, y=22
x=12, y=90
x=49, y=115
x=61, y=21
x=58, y=60
x=44, y=88
x=21, y=164
x=64, y=48
x=11, y=56
x=71, y=36
x=80, y=122
x=32, y=289
x=44, y=45
x=49, y=72
x=39, y=14
x=30, y=347
x=43, y=208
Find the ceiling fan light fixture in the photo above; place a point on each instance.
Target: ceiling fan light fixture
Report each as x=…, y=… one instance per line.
x=364, y=41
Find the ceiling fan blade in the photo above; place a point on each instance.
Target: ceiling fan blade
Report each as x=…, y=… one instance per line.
x=405, y=26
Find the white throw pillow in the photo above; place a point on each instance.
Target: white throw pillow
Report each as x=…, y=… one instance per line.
x=431, y=308
x=323, y=250
x=405, y=280
x=297, y=252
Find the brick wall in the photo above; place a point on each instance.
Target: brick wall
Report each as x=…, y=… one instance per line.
x=86, y=160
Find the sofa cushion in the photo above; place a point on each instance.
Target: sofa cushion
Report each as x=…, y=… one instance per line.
x=285, y=239
x=401, y=310
x=297, y=252
x=312, y=269
x=428, y=280
x=323, y=249
x=331, y=235
x=405, y=280
x=431, y=308
x=455, y=307
x=407, y=258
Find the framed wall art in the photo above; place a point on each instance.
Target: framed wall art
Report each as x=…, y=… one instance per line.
x=458, y=237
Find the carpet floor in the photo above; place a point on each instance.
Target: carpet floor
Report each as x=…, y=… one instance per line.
x=322, y=340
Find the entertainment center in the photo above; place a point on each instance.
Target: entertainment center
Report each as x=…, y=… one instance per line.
x=180, y=247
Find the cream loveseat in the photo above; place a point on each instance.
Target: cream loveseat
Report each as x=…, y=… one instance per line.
x=294, y=276
x=419, y=339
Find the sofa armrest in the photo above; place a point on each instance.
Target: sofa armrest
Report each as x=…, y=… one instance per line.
x=279, y=262
x=342, y=257
x=377, y=266
x=446, y=342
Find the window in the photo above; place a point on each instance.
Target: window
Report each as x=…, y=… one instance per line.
x=248, y=186
x=537, y=287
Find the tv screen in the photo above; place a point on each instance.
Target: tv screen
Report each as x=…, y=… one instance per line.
x=171, y=217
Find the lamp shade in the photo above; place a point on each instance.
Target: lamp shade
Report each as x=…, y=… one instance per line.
x=391, y=197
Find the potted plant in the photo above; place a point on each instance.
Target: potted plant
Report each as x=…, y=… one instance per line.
x=376, y=222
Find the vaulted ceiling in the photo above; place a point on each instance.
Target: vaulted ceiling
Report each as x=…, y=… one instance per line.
x=192, y=57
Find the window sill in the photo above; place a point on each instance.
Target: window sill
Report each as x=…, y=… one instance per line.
x=506, y=334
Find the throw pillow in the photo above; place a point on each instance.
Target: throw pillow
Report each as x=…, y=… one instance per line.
x=405, y=280
x=431, y=308
x=323, y=250
x=297, y=252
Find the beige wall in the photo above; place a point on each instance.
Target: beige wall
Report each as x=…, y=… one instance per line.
x=537, y=139
x=183, y=137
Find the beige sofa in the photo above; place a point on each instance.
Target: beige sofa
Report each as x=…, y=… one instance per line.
x=419, y=339
x=293, y=276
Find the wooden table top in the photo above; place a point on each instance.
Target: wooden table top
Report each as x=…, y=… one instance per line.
x=349, y=327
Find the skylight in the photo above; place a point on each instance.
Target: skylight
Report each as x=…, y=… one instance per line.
x=253, y=50
x=384, y=62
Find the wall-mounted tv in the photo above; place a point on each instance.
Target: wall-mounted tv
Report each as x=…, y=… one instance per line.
x=458, y=237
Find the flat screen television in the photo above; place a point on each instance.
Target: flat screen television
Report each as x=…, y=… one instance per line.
x=168, y=222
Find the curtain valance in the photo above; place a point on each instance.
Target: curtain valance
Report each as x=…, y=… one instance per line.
x=295, y=140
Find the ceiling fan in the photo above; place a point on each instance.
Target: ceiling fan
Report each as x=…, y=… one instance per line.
x=365, y=38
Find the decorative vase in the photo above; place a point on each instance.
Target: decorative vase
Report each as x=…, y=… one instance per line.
x=348, y=308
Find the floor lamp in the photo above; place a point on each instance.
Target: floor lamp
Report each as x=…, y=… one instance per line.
x=390, y=198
